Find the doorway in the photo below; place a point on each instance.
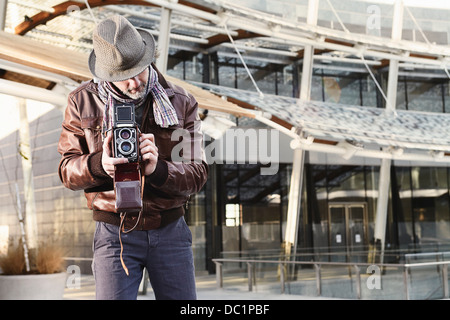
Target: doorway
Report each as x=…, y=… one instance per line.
x=348, y=231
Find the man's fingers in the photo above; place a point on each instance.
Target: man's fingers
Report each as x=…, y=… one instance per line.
x=147, y=148
x=108, y=162
x=149, y=151
x=145, y=136
x=107, y=143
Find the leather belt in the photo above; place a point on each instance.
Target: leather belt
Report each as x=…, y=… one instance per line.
x=142, y=222
x=153, y=221
x=148, y=221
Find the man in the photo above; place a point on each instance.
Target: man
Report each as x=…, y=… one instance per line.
x=160, y=240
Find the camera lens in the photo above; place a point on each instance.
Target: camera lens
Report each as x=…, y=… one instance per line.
x=125, y=134
x=126, y=147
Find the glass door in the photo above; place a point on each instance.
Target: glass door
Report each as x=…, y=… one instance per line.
x=357, y=226
x=348, y=231
x=338, y=233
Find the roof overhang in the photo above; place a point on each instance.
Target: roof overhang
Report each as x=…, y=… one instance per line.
x=277, y=33
x=350, y=130
x=73, y=66
x=323, y=127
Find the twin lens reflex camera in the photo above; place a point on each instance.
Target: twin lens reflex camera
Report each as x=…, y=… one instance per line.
x=127, y=176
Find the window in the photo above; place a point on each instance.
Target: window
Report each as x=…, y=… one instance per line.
x=232, y=214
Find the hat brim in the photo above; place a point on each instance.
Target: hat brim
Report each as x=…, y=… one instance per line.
x=121, y=75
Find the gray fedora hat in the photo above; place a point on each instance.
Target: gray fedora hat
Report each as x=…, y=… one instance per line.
x=121, y=51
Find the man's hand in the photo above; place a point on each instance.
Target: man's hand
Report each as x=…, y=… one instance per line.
x=149, y=152
x=108, y=162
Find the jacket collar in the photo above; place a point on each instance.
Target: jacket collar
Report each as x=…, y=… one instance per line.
x=163, y=82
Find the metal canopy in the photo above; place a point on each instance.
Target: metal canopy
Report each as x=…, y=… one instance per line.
x=351, y=130
x=277, y=33
x=206, y=25
x=29, y=56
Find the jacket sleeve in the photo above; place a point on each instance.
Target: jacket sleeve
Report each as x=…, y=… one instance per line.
x=188, y=174
x=79, y=169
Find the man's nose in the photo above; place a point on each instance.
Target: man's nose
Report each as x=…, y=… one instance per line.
x=134, y=82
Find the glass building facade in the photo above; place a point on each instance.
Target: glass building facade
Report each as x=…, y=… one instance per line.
x=242, y=212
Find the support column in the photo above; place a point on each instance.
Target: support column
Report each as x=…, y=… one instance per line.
x=294, y=201
x=3, y=6
x=385, y=168
x=31, y=226
x=295, y=191
x=164, y=39
x=382, y=205
x=397, y=26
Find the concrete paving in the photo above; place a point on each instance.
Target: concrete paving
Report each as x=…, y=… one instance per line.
x=206, y=290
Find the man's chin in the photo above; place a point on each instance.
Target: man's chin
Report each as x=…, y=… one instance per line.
x=136, y=95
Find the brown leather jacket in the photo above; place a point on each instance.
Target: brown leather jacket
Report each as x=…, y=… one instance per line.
x=165, y=191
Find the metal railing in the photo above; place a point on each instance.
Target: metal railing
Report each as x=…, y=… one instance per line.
x=282, y=266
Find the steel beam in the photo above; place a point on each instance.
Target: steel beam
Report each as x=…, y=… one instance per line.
x=31, y=225
x=34, y=93
x=164, y=39
x=385, y=168
x=3, y=6
x=295, y=191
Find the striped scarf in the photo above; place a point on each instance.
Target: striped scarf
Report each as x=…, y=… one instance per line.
x=163, y=110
